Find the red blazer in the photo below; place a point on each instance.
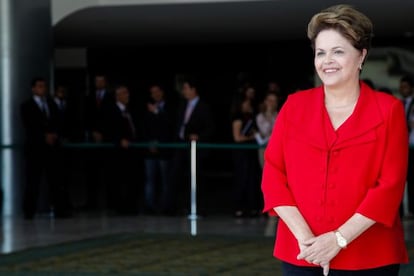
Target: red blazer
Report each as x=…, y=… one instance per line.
x=331, y=175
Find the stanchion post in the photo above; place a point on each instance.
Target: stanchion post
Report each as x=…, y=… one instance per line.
x=193, y=151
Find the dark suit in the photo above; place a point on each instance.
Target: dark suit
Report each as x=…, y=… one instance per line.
x=157, y=127
x=124, y=189
x=39, y=156
x=201, y=124
x=96, y=111
x=96, y=117
x=63, y=155
x=410, y=171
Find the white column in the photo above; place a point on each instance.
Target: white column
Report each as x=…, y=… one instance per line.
x=25, y=53
x=6, y=71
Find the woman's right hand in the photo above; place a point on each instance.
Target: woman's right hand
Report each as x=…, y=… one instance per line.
x=325, y=266
x=302, y=246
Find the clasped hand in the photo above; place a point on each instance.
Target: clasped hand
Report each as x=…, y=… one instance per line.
x=319, y=250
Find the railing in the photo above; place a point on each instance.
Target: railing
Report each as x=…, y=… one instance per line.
x=193, y=146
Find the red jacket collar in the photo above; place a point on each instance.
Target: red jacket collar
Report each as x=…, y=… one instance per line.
x=308, y=113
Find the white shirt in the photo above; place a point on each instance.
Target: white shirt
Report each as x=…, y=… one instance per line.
x=407, y=102
x=187, y=115
x=100, y=94
x=42, y=104
x=60, y=103
x=121, y=106
x=265, y=124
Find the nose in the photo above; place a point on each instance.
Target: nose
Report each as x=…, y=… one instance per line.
x=328, y=59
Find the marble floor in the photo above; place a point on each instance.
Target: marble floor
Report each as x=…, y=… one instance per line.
x=18, y=234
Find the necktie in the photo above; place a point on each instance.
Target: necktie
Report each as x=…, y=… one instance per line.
x=130, y=123
x=99, y=97
x=45, y=108
x=160, y=106
x=62, y=105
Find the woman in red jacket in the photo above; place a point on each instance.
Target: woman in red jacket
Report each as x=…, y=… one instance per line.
x=336, y=162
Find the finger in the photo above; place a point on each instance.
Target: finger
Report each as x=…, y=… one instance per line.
x=304, y=254
x=309, y=242
x=326, y=269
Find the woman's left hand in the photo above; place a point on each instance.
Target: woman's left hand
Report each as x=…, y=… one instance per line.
x=320, y=250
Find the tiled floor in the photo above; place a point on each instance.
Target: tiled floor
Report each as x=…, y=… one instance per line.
x=18, y=234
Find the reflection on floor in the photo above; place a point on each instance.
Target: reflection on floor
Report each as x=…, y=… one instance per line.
x=18, y=234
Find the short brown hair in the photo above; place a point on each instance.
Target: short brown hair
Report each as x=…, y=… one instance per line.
x=355, y=26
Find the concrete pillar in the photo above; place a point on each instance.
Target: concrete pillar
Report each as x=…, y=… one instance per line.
x=25, y=53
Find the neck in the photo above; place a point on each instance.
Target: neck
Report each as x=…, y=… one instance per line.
x=341, y=96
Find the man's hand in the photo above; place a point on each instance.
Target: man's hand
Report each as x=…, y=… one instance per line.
x=51, y=139
x=124, y=143
x=193, y=137
x=97, y=136
x=152, y=108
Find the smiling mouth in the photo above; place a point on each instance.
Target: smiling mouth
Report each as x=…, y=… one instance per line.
x=330, y=70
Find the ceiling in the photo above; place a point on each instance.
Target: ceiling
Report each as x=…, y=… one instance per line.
x=217, y=22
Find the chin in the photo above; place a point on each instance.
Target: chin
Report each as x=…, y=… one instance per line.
x=330, y=83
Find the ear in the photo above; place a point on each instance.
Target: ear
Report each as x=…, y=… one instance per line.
x=363, y=55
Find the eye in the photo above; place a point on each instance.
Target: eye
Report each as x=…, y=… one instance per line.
x=338, y=52
x=319, y=54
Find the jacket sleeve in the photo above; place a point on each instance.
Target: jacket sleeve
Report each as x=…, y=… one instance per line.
x=275, y=186
x=381, y=202
x=34, y=132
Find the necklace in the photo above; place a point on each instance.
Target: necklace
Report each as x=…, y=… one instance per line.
x=352, y=103
x=341, y=106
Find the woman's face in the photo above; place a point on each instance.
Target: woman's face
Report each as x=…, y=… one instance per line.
x=250, y=93
x=337, y=62
x=271, y=102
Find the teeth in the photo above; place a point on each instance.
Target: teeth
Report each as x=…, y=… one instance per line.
x=330, y=70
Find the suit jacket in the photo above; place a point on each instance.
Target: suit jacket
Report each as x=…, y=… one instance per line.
x=158, y=127
x=96, y=115
x=119, y=126
x=331, y=175
x=62, y=120
x=36, y=124
x=200, y=122
x=409, y=114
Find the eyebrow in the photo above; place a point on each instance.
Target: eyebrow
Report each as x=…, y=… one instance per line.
x=334, y=48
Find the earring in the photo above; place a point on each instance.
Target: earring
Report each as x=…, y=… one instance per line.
x=360, y=66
